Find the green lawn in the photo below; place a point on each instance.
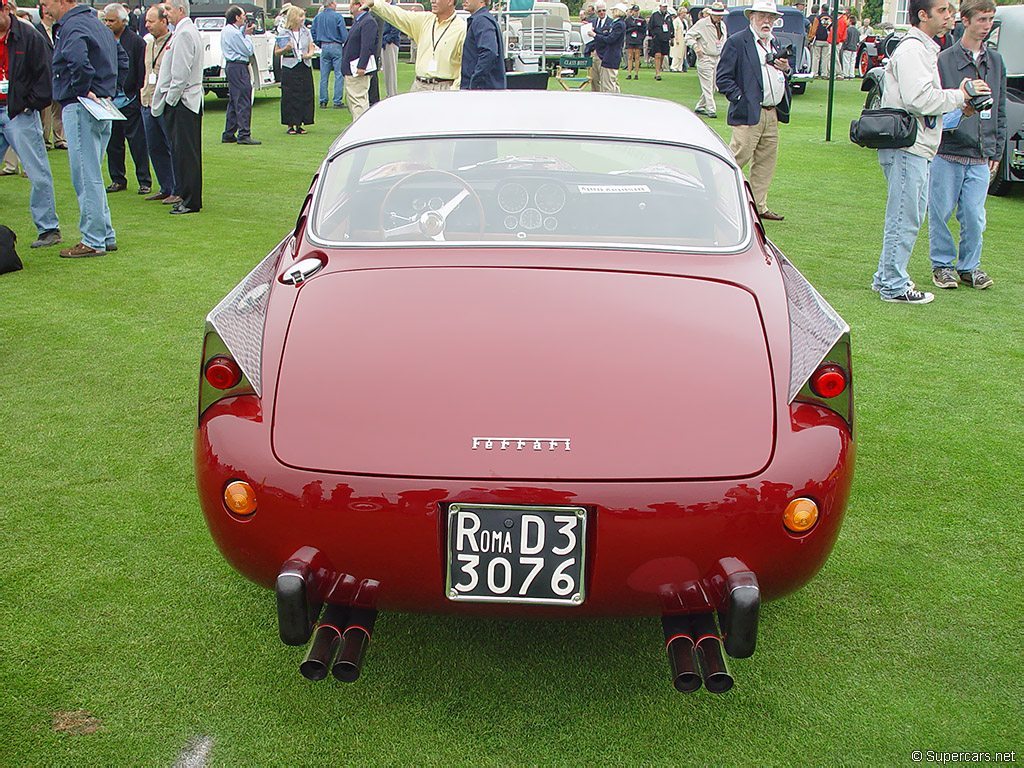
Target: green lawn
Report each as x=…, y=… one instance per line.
x=114, y=600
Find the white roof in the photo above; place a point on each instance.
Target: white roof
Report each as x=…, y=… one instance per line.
x=523, y=112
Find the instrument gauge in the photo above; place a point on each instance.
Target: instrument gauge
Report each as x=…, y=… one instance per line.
x=513, y=198
x=550, y=198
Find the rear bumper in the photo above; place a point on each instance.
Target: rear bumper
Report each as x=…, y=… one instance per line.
x=653, y=547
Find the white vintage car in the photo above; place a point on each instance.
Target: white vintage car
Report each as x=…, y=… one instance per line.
x=209, y=20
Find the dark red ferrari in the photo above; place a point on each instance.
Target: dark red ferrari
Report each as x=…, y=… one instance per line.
x=510, y=362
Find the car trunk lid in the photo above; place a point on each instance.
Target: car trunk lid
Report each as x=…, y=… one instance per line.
x=524, y=374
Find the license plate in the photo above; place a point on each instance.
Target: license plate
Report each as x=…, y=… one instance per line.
x=516, y=554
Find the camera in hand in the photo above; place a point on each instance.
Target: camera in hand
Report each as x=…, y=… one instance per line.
x=784, y=52
x=979, y=101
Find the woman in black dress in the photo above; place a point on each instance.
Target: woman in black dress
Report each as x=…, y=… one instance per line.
x=295, y=47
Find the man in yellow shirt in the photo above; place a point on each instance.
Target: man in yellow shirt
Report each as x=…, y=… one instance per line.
x=439, y=36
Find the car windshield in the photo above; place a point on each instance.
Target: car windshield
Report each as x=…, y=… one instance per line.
x=531, y=191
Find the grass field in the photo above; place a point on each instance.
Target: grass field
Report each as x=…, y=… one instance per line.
x=125, y=637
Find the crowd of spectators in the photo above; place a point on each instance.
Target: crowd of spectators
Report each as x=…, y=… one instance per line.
x=52, y=76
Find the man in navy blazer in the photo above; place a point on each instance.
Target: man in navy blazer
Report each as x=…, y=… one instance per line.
x=483, y=58
x=608, y=42
x=756, y=83
x=360, y=48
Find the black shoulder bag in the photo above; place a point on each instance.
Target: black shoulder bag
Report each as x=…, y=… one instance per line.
x=885, y=128
x=9, y=261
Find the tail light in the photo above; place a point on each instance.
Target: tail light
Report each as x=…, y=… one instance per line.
x=222, y=373
x=222, y=376
x=233, y=345
x=820, y=370
x=828, y=381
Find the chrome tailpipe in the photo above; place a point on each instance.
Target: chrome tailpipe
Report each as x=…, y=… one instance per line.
x=682, y=657
x=326, y=641
x=708, y=646
x=355, y=639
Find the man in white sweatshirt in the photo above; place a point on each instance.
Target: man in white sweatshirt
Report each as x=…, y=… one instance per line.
x=912, y=83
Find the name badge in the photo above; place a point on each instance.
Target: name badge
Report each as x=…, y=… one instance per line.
x=152, y=78
x=985, y=114
x=432, y=66
x=4, y=85
x=664, y=27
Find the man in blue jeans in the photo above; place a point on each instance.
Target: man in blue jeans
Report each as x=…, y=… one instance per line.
x=329, y=35
x=85, y=61
x=969, y=152
x=25, y=90
x=912, y=83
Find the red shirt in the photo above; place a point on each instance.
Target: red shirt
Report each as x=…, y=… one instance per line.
x=5, y=60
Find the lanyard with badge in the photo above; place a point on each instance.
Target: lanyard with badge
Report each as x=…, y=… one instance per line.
x=975, y=59
x=4, y=84
x=156, y=56
x=432, y=64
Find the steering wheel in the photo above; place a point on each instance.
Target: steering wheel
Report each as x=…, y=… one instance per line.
x=431, y=222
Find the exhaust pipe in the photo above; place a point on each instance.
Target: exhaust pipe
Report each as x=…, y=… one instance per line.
x=354, y=642
x=298, y=604
x=325, y=643
x=681, y=653
x=709, y=652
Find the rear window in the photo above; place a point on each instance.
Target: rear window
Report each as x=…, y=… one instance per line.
x=210, y=23
x=531, y=191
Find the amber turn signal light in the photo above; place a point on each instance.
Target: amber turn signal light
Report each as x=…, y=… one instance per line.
x=222, y=372
x=828, y=381
x=800, y=515
x=240, y=498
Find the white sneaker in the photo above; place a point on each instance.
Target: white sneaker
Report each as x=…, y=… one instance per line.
x=911, y=296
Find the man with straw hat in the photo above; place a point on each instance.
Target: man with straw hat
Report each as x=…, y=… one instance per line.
x=706, y=37
x=755, y=80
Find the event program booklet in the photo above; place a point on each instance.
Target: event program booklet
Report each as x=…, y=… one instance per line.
x=102, y=108
x=371, y=66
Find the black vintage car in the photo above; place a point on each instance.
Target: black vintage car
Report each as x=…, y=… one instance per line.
x=875, y=48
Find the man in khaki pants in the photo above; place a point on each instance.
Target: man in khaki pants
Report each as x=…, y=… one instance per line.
x=608, y=43
x=755, y=80
x=357, y=59
x=706, y=37
x=601, y=21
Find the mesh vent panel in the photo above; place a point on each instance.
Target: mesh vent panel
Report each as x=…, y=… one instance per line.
x=813, y=325
x=238, y=319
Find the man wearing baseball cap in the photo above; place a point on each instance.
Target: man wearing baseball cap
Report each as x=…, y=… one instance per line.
x=759, y=98
x=706, y=37
x=25, y=90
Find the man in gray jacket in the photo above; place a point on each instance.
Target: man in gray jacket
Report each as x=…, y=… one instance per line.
x=911, y=82
x=179, y=97
x=969, y=152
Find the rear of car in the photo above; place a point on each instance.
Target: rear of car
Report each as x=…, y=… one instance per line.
x=449, y=391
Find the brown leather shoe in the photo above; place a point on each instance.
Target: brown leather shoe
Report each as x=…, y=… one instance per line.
x=158, y=196
x=81, y=251
x=171, y=200
x=115, y=187
x=771, y=215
